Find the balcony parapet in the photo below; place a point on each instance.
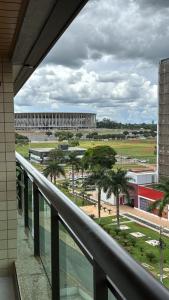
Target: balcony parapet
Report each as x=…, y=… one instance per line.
x=113, y=271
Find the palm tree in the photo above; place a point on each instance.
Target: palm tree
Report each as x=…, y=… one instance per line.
x=160, y=205
x=97, y=178
x=54, y=169
x=116, y=183
x=74, y=162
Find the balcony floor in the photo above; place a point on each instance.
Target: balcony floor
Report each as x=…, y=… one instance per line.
x=32, y=280
x=7, y=288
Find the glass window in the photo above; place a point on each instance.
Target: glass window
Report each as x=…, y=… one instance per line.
x=76, y=272
x=45, y=234
x=111, y=296
x=144, y=204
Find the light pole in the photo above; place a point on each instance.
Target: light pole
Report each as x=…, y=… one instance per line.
x=161, y=246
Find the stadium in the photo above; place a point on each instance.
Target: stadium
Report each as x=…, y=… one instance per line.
x=54, y=120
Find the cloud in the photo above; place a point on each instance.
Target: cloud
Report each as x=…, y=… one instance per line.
x=99, y=92
x=106, y=62
x=121, y=29
x=153, y=4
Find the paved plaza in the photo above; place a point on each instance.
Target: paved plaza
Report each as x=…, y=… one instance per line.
x=110, y=210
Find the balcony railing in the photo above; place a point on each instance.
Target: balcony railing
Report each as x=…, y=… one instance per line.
x=80, y=259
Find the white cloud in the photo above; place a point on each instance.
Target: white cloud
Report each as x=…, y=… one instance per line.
x=106, y=61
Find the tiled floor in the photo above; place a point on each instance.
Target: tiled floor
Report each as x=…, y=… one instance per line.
x=6, y=289
x=32, y=280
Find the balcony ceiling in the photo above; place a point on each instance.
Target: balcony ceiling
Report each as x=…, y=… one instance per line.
x=29, y=29
x=9, y=19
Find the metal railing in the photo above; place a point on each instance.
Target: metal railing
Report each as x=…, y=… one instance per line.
x=78, y=255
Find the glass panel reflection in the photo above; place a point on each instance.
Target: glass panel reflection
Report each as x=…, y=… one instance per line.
x=111, y=296
x=30, y=208
x=76, y=272
x=45, y=234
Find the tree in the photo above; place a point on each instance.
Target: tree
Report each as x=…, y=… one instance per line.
x=69, y=135
x=48, y=133
x=160, y=205
x=97, y=178
x=103, y=156
x=79, y=135
x=54, y=169
x=116, y=183
x=97, y=160
x=74, y=162
x=56, y=155
x=21, y=139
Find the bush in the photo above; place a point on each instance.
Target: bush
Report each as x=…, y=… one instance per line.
x=21, y=139
x=151, y=256
x=124, y=234
x=133, y=241
x=126, y=242
x=117, y=230
x=74, y=143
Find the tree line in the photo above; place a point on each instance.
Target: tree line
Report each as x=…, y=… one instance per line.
x=107, y=123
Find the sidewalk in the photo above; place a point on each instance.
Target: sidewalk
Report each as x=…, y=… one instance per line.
x=123, y=209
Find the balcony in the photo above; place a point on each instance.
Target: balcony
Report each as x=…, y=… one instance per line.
x=79, y=259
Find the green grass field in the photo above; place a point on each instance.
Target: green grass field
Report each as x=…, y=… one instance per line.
x=137, y=247
x=141, y=149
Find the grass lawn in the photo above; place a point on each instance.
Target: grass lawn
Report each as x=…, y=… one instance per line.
x=143, y=149
x=137, y=247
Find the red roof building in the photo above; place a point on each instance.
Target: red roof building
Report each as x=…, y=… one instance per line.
x=146, y=196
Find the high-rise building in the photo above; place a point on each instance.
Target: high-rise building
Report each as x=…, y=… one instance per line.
x=163, y=122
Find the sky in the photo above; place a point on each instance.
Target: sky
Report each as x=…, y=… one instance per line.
x=106, y=62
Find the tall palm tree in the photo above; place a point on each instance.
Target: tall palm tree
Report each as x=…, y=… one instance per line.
x=116, y=183
x=53, y=170
x=74, y=162
x=161, y=205
x=97, y=178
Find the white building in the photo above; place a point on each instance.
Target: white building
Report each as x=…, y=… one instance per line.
x=142, y=177
x=111, y=200
x=54, y=120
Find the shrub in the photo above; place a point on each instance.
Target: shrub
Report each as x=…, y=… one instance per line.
x=151, y=256
x=21, y=139
x=133, y=242
x=124, y=234
x=126, y=242
x=117, y=230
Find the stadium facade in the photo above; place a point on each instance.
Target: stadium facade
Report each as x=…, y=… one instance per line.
x=163, y=122
x=54, y=120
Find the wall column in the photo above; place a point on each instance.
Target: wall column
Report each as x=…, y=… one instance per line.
x=8, y=222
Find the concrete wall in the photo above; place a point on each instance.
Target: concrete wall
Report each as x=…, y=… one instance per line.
x=163, y=138
x=7, y=170
x=111, y=200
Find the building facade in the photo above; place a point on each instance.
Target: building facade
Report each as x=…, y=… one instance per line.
x=54, y=120
x=163, y=123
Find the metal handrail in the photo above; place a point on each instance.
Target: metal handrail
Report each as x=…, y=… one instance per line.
x=132, y=280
